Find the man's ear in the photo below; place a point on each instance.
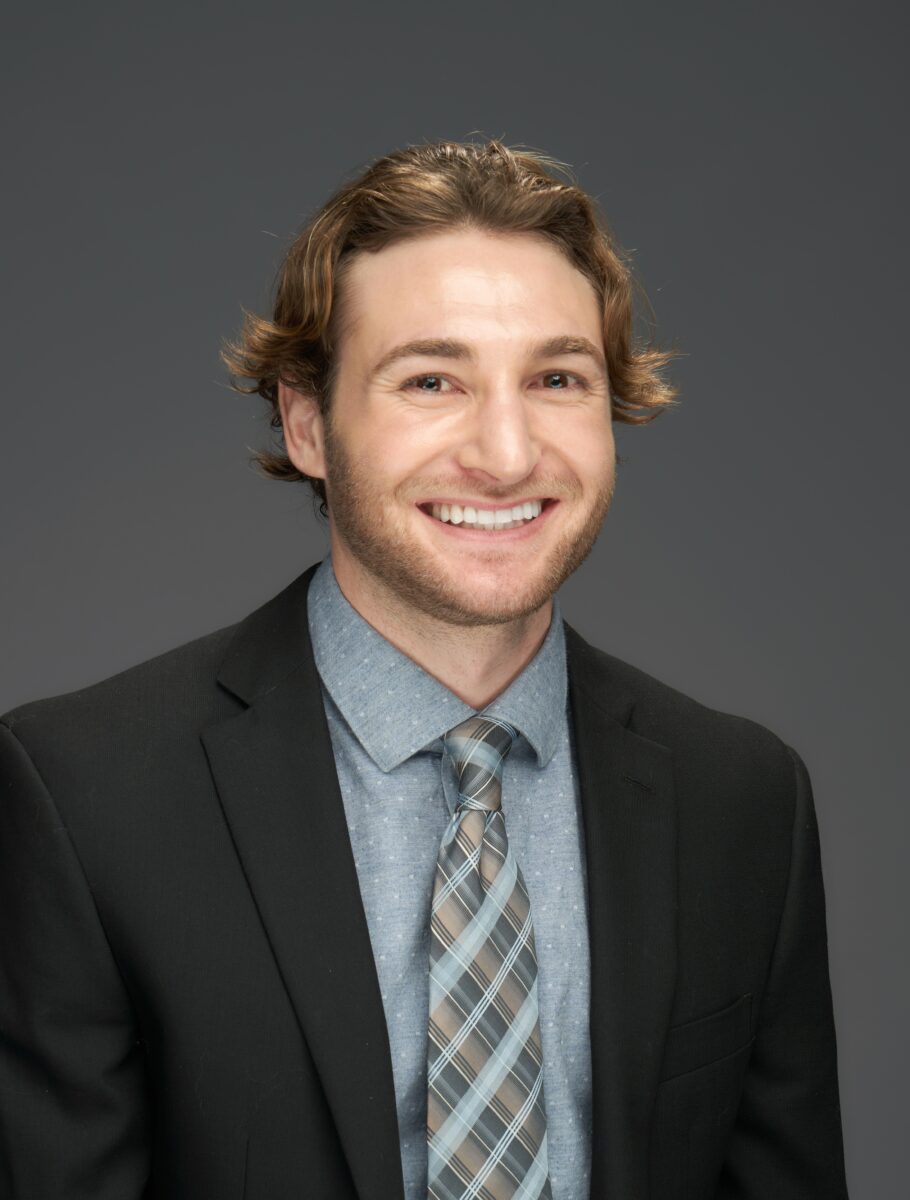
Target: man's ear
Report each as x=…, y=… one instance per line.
x=304, y=430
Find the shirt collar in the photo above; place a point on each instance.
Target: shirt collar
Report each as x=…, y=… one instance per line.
x=394, y=708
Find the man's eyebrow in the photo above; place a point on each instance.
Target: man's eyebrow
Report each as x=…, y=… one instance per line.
x=424, y=348
x=451, y=348
x=566, y=344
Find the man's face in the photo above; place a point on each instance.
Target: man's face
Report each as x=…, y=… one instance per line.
x=451, y=410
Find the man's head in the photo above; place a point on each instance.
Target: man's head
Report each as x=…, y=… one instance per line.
x=451, y=339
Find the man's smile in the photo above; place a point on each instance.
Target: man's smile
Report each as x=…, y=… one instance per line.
x=466, y=519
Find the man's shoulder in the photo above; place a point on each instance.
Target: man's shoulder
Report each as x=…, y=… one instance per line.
x=176, y=688
x=173, y=693
x=699, y=735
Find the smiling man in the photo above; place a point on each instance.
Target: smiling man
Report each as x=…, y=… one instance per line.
x=398, y=888
x=469, y=463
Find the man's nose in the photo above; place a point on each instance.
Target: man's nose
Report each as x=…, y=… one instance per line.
x=499, y=440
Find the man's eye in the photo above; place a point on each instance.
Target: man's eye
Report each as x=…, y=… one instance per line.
x=427, y=383
x=562, y=379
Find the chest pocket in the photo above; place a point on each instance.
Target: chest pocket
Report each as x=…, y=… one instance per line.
x=704, y=1065
x=705, y=1040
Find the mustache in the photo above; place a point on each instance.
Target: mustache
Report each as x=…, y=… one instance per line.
x=548, y=487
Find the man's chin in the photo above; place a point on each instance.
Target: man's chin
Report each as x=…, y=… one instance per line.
x=468, y=601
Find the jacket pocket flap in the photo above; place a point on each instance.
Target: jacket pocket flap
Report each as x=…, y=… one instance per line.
x=706, y=1039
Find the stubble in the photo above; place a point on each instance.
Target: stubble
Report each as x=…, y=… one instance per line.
x=364, y=521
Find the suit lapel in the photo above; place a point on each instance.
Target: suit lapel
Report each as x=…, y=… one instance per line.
x=629, y=815
x=275, y=774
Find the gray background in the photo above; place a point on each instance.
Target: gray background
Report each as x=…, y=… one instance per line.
x=754, y=159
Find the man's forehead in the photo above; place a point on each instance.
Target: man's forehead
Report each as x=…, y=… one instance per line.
x=468, y=267
x=453, y=304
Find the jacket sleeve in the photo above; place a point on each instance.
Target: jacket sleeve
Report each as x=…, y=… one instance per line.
x=787, y=1142
x=73, y=1106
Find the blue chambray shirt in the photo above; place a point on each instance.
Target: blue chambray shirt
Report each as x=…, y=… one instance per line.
x=386, y=718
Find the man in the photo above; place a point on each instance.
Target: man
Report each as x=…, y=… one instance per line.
x=398, y=887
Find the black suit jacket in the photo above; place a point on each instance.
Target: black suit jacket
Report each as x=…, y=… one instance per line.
x=188, y=1002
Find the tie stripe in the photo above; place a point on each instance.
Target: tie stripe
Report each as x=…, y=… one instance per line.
x=486, y=1126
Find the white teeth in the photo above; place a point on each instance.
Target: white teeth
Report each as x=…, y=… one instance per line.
x=487, y=518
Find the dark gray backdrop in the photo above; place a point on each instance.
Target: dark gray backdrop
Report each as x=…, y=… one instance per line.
x=753, y=156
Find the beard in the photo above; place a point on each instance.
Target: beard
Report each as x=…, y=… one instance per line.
x=385, y=548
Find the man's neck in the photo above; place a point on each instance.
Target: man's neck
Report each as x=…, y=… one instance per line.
x=475, y=662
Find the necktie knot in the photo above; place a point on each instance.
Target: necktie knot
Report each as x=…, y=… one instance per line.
x=478, y=749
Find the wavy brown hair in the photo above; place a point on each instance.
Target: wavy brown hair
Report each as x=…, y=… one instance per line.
x=423, y=189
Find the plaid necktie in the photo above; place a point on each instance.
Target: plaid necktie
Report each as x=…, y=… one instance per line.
x=486, y=1124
